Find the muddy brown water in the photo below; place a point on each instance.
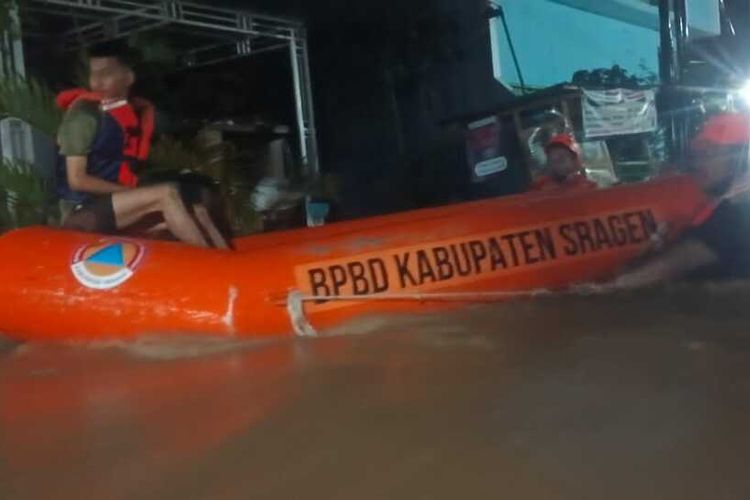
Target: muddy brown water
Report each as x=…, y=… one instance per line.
x=636, y=395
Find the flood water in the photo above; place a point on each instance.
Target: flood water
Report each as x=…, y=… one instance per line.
x=636, y=395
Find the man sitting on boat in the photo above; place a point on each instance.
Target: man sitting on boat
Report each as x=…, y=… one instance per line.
x=564, y=168
x=719, y=243
x=103, y=135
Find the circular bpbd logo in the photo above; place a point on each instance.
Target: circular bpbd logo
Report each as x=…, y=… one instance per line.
x=106, y=264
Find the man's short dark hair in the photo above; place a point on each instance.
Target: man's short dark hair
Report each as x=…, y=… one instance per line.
x=116, y=49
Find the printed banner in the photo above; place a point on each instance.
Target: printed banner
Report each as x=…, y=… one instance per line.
x=618, y=112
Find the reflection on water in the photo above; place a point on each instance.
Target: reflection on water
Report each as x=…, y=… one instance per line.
x=637, y=395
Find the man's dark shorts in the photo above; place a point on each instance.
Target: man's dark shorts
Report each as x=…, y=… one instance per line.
x=95, y=215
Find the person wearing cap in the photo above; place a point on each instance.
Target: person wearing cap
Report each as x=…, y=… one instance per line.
x=718, y=245
x=564, y=169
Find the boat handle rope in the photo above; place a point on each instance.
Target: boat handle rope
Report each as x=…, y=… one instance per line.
x=295, y=303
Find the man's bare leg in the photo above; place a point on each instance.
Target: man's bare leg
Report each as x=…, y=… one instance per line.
x=208, y=225
x=130, y=206
x=157, y=228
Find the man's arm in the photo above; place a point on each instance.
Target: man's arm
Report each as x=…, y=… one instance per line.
x=682, y=258
x=80, y=181
x=76, y=135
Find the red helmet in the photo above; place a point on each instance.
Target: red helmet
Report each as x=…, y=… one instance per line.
x=565, y=141
x=725, y=129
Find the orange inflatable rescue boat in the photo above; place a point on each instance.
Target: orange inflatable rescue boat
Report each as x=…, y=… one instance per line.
x=59, y=285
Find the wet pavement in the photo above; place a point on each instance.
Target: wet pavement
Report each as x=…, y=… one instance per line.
x=638, y=395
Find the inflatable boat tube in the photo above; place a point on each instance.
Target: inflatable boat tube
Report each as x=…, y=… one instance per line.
x=59, y=285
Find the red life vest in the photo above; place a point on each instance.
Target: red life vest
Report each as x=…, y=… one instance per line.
x=136, y=119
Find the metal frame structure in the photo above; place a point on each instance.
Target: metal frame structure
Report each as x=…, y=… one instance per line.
x=11, y=49
x=232, y=33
